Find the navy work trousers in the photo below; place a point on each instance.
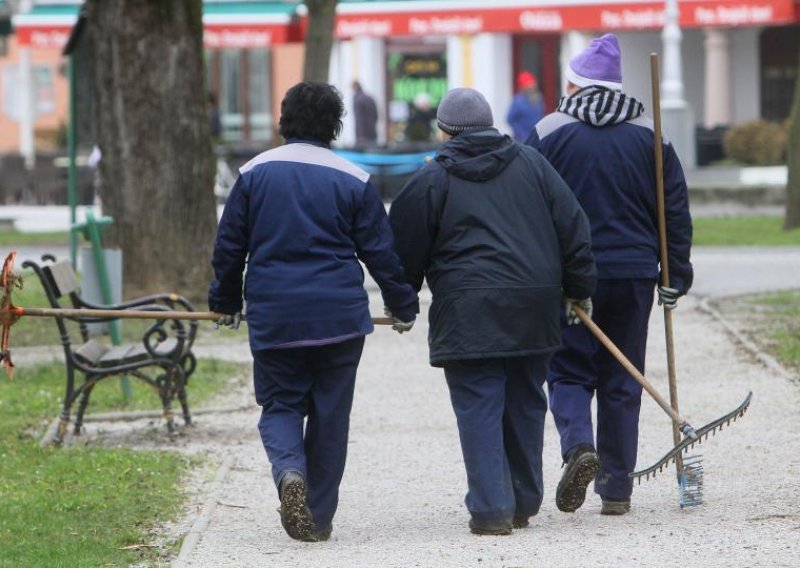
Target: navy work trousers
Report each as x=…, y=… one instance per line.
x=316, y=383
x=583, y=367
x=500, y=407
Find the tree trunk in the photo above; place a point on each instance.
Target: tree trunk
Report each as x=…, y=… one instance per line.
x=319, y=39
x=153, y=130
x=792, y=218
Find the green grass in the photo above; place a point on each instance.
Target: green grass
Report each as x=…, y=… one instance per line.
x=743, y=231
x=16, y=238
x=782, y=310
x=771, y=320
x=78, y=505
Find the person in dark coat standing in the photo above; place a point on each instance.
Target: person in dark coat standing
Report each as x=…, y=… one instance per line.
x=365, y=112
x=502, y=242
x=602, y=145
x=300, y=218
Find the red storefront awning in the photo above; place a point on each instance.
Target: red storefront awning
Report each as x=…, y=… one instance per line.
x=419, y=18
x=47, y=28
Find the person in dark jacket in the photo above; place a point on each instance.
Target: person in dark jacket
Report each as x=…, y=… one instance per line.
x=365, y=112
x=299, y=218
x=602, y=145
x=501, y=240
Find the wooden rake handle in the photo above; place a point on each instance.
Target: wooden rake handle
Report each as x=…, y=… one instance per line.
x=679, y=421
x=135, y=314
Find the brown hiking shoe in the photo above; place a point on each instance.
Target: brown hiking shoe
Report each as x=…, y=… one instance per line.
x=615, y=507
x=295, y=515
x=581, y=467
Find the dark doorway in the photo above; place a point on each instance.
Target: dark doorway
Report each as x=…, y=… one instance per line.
x=539, y=54
x=779, y=48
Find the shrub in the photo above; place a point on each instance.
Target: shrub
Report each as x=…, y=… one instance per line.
x=757, y=142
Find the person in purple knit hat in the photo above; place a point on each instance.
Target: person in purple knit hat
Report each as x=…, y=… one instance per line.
x=602, y=145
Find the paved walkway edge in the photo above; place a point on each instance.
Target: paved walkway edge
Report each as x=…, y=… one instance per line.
x=765, y=359
x=201, y=524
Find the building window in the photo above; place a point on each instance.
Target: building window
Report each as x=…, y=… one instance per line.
x=241, y=81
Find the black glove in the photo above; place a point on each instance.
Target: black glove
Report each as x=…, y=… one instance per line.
x=231, y=321
x=668, y=297
x=399, y=325
x=572, y=317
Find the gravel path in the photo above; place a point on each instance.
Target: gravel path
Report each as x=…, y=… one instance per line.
x=402, y=495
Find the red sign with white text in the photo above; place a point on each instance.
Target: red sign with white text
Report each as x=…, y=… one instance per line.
x=214, y=35
x=44, y=37
x=559, y=18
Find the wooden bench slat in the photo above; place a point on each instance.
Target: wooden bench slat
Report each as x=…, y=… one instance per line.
x=90, y=352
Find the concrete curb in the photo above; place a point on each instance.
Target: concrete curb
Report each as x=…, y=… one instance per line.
x=209, y=505
x=764, y=358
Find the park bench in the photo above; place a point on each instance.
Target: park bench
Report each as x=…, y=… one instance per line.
x=163, y=359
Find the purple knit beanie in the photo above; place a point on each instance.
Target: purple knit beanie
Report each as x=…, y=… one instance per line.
x=599, y=64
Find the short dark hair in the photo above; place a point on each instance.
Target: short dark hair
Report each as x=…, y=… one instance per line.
x=312, y=110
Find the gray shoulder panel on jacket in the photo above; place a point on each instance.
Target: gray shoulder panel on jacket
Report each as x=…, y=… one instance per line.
x=553, y=122
x=647, y=122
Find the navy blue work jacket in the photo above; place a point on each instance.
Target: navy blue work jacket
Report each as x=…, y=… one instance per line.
x=300, y=218
x=611, y=169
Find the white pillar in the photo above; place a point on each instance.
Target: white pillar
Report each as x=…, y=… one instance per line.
x=717, y=79
x=492, y=73
x=456, y=75
x=677, y=115
x=27, y=110
x=572, y=43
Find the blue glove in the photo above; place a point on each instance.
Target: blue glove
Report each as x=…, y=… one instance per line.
x=231, y=321
x=399, y=325
x=668, y=297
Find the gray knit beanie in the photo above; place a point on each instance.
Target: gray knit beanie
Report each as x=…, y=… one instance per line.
x=462, y=110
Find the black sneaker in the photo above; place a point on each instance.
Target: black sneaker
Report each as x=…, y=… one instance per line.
x=615, y=506
x=295, y=515
x=581, y=467
x=492, y=529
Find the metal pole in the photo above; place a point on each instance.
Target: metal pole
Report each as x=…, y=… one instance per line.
x=105, y=290
x=72, y=171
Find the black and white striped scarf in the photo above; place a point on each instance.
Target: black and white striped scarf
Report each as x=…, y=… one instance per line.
x=600, y=106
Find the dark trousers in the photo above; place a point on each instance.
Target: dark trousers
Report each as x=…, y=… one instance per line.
x=316, y=384
x=500, y=407
x=583, y=367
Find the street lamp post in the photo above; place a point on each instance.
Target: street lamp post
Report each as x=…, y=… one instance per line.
x=678, y=118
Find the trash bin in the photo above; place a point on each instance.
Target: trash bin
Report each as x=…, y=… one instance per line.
x=709, y=143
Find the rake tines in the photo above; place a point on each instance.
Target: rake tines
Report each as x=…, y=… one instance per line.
x=687, y=442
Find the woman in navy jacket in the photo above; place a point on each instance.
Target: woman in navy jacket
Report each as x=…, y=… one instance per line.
x=299, y=218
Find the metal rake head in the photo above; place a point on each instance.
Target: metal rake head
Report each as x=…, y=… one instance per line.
x=702, y=433
x=690, y=481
